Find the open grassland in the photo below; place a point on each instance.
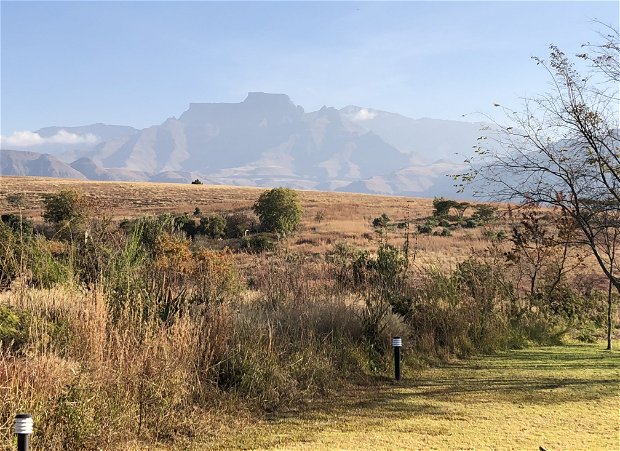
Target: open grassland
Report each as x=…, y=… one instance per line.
x=559, y=398
x=345, y=216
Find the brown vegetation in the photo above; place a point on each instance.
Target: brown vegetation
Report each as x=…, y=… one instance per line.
x=149, y=327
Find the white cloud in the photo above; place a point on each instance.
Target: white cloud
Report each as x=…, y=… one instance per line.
x=363, y=115
x=27, y=139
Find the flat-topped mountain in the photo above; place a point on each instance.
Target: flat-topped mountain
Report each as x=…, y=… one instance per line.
x=267, y=140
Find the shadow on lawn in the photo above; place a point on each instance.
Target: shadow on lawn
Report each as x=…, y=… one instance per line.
x=535, y=377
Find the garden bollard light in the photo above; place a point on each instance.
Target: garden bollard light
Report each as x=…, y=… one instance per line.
x=397, y=343
x=23, y=429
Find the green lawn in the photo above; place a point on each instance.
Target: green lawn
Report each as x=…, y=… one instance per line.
x=558, y=397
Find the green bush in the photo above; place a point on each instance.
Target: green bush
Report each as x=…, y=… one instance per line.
x=471, y=224
x=425, y=228
x=260, y=242
x=65, y=206
x=214, y=226
x=279, y=210
x=18, y=224
x=187, y=224
x=381, y=221
x=148, y=228
x=13, y=327
x=240, y=224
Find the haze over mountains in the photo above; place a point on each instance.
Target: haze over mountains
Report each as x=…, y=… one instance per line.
x=266, y=140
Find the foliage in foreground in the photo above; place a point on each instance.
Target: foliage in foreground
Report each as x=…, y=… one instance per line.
x=111, y=331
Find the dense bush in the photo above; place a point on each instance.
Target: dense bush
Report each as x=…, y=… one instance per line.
x=441, y=207
x=381, y=221
x=279, y=210
x=214, y=226
x=65, y=206
x=18, y=224
x=260, y=242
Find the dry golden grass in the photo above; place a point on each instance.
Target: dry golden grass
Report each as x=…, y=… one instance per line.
x=346, y=216
x=128, y=199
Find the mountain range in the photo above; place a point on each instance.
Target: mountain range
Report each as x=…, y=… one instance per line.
x=266, y=140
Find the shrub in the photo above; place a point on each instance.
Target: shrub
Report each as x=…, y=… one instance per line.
x=494, y=235
x=13, y=327
x=213, y=226
x=260, y=242
x=427, y=227
x=237, y=224
x=484, y=213
x=197, y=182
x=18, y=224
x=381, y=221
x=279, y=210
x=186, y=224
x=64, y=206
x=471, y=224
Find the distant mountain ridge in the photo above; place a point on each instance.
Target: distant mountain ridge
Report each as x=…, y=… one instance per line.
x=16, y=162
x=266, y=140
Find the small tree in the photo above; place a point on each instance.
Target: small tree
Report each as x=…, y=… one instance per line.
x=460, y=208
x=197, y=182
x=484, y=213
x=441, y=207
x=562, y=150
x=279, y=210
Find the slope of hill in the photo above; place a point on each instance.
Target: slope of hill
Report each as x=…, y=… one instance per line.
x=13, y=162
x=426, y=140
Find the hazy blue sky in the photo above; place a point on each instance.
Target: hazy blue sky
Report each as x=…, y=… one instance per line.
x=136, y=63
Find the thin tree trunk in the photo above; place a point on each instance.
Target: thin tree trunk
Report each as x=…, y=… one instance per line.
x=609, y=305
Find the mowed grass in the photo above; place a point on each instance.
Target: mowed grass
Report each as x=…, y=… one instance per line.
x=559, y=398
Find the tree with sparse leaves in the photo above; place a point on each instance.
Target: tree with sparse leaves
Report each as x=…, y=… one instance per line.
x=562, y=150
